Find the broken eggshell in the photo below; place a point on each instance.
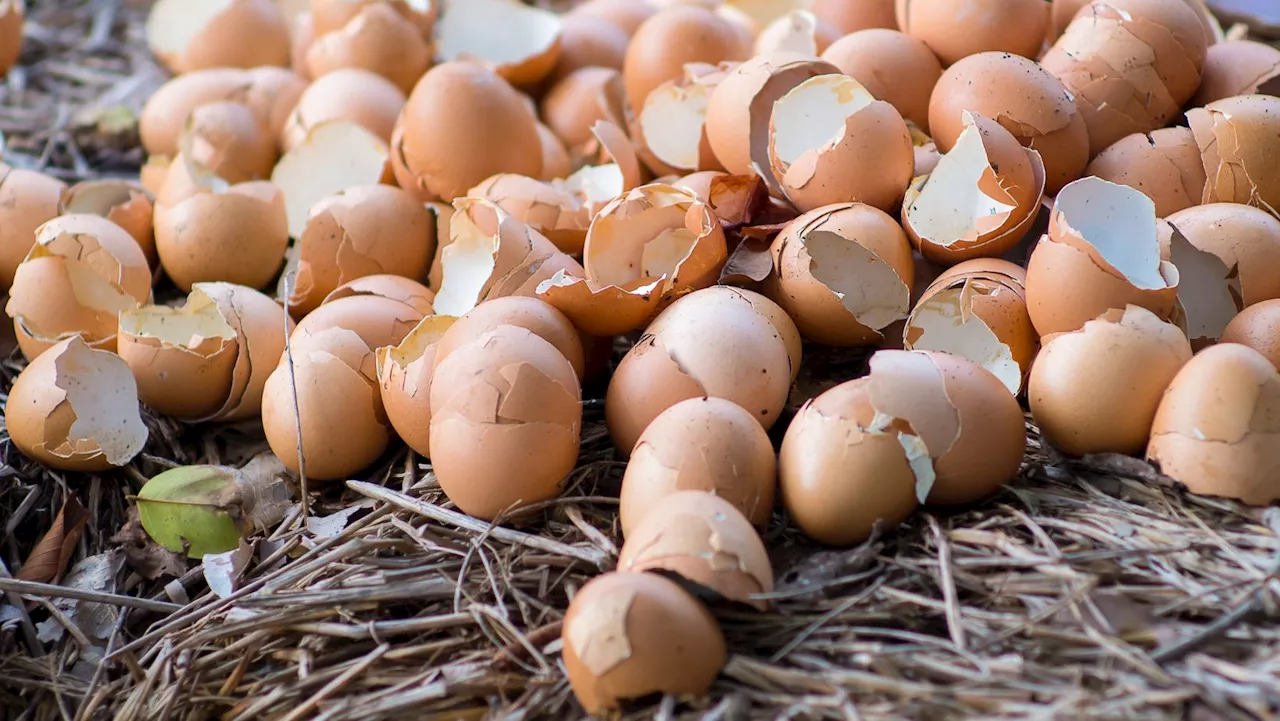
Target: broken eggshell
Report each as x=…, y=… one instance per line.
x=218, y=34
x=379, y=321
x=1145, y=160
x=532, y=314
x=404, y=375
x=335, y=155
x=1239, y=140
x=542, y=206
x=126, y=204
x=28, y=199
x=377, y=39
x=519, y=42
x=228, y=138
x=671, y=126
x=672, y=37
x=893, y=67
x=1238, y=67
x=352, y=94
x=797, y=31
x=394, y=287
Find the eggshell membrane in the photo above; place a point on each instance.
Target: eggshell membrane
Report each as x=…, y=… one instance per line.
x=27, y=200
x=1101, y=252
x=398, y=288
x=1258, y=327
x=522, y=48
x=333, y=15
x=626, y=15
x=11, y=16
x=611, y=652
x=361, y=231
x=218, y=34
x=270, y=92
x=1217, y=430
x=80, y=273
x=849, y=248
x=701, y=444
x=352, y=94
x=839, y=476
x=670, y=130
x=126, y=204
x=978, y=310
x=1239, y=139
x=404, y=372
x=576, y=102
x=672, y=37
x=705, y=344
x=334, y=156
x=1164, y=164
x=703, y=539
x=1025, y=99
x=1125, y=359
x=892, y=66
x=1237, y=67
x=505, y=422
x=75, y=408
x=849, y=17
x=343, y=424
x=463, y=124
x=542, y=206
x=555, y=157
x=378, y=321
x=377, y=40
x=798, y=31
x=227, y=138
x=532, y=314
x=588, y=41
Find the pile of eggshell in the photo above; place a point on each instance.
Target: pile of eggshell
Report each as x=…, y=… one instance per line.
x=469, y=202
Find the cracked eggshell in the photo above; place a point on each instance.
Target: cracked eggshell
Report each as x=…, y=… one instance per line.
x=404, y=374
x=1217, y=430
x=978, y=310
x=377, y=39
x=1258, y=327
x=1237, y=67
x=377, y=320
x=1102, y=251
x=701, y=444
x=333, y=15
x=955, y=30
x=1164, y=164
x=672, y=37
x=361, y=231
x=843, y=272
x=1096, y=389
x=705, y=540
x=575, y=102
x=80, y=273
x=849, y=17
x=334, y=156
x=28, y=199
x=532, y=314
x=797, y=31
x=463, y=124
x=519, y=42
x=626, y=15
x=218, y=34
x=75, y=408
x=1063, y=12
x=260, y=325
x=126, y=204
x=556, y=163
x=629, y=635
x=340, y=417
x=352, y=94
x=670, y=129
x=1025, y=99
x=542, y=206
x=587, y=41
x=1239, y=140
x=893, y=67
x=506, y=415
x=394, y=287
x=980, y=199
x=708, y=343
x=227, y=138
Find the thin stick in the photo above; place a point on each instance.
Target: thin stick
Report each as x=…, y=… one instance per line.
x=48, y=590
x=297, y=407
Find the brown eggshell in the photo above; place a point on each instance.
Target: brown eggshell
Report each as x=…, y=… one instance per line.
x=126, y=204
x=351, y=94
x=378, y=40
x=303, y=33
x=260, y=325
x=522, y=48
x=1017, y=26
x=1144, y=161
x=1096, y=389
x=1025, y=99
x=395, y=287
x=612, y=653
x=892, y=66
x=334, y=156
x=404, y=372
x=28, y=199
x=343, y=424
x=11, y=16
x=1063, y=11
x=333, y=15
x=505, y=422
x=587, y=41
x=75, y=408
x=532, y=314
x=576, y=102
x=848, y=17
x=703, y=539
x=556, y=163
x=670, y=129
x=218, y=34
x=227, y=138
x=798, y=31
x=82, y=270
x=1258, y=327
x=1237, y=67
x=378, y=321
x=542, y=206
x=626, y=15
x=701, y=444
x=1217, y=430
x=153, y=174
x=1239, y=140
x=674, y=36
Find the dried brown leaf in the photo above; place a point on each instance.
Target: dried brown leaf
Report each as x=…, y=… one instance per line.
x=49, y=558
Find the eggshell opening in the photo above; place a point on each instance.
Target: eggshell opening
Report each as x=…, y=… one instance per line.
x=1208, y=290
x=946, y=321
x=813, y=114
x=173, y=25
x=351, y=94
x=260, y=325
x=518, y=41
x=128, y=205
x=379, y=40
x=333, y=157
x=798, y=31
x=404, y=374
x=672, y=125
x=1118, y=222
x=542, y=206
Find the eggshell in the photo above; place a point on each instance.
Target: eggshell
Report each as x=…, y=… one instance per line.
x=588, y=41
x=339, y=415
x=11, y=16
x=302, y=31
x=797, y=31
x=1096, y=389
x=629, y=635
x=334, y=156
x=1063, y=11
x=843, y=272
x=154, y=172
x=709, y=343
x=703, y=539
x=75, y=408
x=363, y=230
x=555, y=157
x=576, y=102
x=463, y=124
x=522, y=46
x=1025, y=99
x=534, y=315
x=218, y=34
x=404, y=372
x=333, y=15
x=505, y=422
x=126, y=204
x=28, y=199
x=228, y=139
x=674, y=36
x=956, y=30
x=1258, y=327
x=1237, y=67
x=542, y=206
x=893, y=66
x=1239, y=139
x=80, y=273
x=1217, y=430
x=394, y=287
x=1102, y=251
x=378, y=321
x=378, y=40
x=352, y=94
x=260, y=325
x=626, y=15
x=1144, y=161
x=849, y=17
x=701, y=444
x=700, y=183
x=670, y=129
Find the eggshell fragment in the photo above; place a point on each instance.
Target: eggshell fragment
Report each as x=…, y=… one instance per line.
x=126, y=204
x=80, y=273
x=377, y=39
x=671, y=126
x=218, y=34
x=594, y=186
x=612, y=652
x=75, y=408
x=27, y=200
x=1258, y=327
x=227, y=138
x=674, y=36
x=505, y=422
x=11, y=16
x=517, y=41
x=1217, y=430
x=1164, y=164
x=843, y=272
x=404, y=372
x=1239, y=139
x=532, y=314
x=334, y=156
x=1096, y=389
x=395, y=287
x=352, y=94
x=1063, y=11
x=701, y=444
x=544, y=207
x=703, y=539
x=1102, y=251
x=893, y=67
x=796, y=31
x=1238, y=67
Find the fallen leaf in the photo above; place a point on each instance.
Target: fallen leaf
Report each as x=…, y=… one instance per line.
x=148, y=558
x=95, y=620
x=50, y=556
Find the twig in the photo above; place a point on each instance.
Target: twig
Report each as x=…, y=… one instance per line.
x=955, y=621
x=28, y=629
x=343, y=679
x=31, y=588
x=297, y=406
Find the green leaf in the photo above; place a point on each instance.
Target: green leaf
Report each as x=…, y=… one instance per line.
x=197, y=505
